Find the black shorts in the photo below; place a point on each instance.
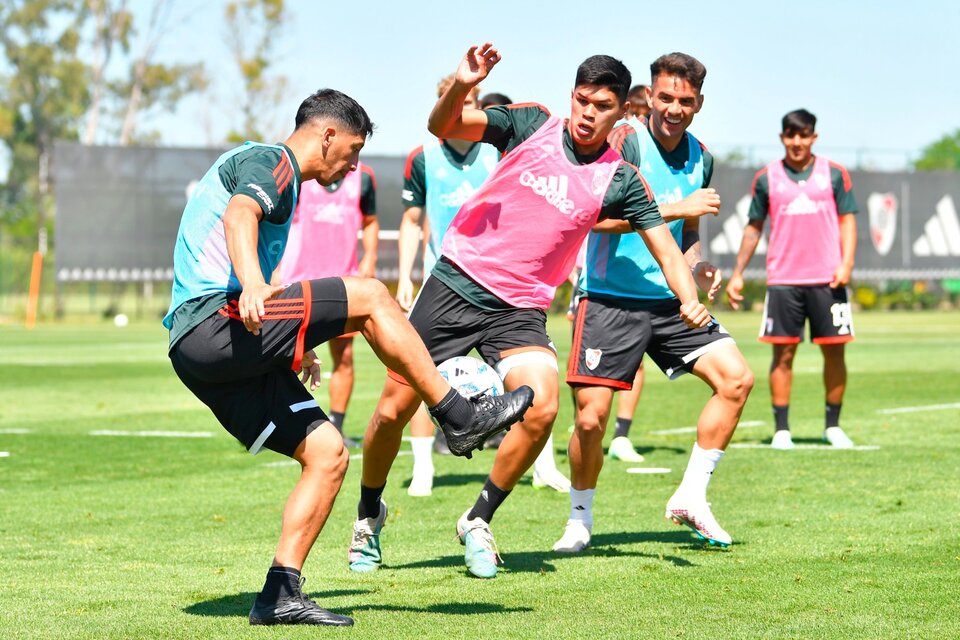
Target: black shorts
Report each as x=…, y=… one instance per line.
x=786, y=307
x=451, y=326
x=609, y=342
x=251, y=382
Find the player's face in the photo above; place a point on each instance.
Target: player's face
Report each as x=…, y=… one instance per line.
x=673, y=102
x=593, y=112
x=798, y=146
x=639, y=106
x=342, y=155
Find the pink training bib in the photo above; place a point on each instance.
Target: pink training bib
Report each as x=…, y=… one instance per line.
x=323, y=236
x=519, y=234
x=804, y=230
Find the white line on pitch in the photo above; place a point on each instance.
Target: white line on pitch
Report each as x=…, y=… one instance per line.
x=670, y=432
x=4, y=454
x=15, y=432
x=929, y=407
x=154, y=434
x=818, y=447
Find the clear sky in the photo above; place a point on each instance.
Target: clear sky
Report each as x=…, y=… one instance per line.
x=879, y=75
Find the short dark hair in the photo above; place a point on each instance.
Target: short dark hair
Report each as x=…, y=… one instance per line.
x=799, y=120
x=681, y=65
x=605, y=71
x=330, y=104
x=638, y=90
x=494, y=100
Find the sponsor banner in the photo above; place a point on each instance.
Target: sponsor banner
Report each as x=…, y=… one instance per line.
x=119, y=208
x=908, y=224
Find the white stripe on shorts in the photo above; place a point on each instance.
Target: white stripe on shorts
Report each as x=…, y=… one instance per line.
x=258, y=443
x=306, y=404
x=673, y=374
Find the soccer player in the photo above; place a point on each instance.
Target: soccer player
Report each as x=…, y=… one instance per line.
x=332, y=217
x=626, y=310
x=637, y=101
x=813, y=237
x=438, y=177
x=238, y=343
x=621, y=448
x=503, y=256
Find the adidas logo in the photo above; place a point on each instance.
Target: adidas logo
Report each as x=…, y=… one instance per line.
x=457, y=197
x=579, y=507
x=552, y=188
x=727, y=242
x=803, y=205
x=941, y=233
x=483, y=494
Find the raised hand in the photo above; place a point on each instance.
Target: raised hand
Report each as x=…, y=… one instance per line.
x=478, y=62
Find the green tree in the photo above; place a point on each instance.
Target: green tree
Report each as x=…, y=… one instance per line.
x=41, y=99
x=252, y=31
x=943, y=154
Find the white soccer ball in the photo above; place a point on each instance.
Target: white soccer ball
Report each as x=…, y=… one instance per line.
x=471, y=377
x=121, y=320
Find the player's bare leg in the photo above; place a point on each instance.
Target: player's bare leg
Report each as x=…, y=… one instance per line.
x=586, y=461
x=835, y=384
x=323, y=462
x=341, y=382
x=781, y=382
x=728, y=374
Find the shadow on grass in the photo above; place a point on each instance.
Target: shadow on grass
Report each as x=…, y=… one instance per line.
x=606, y=545
x=238, y=605
x=454, y=479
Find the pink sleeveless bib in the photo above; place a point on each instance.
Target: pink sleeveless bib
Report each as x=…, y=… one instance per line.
x=804, y=230
x=323, y=236
x=519, y=234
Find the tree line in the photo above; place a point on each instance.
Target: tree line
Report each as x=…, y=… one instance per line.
x=92, y=70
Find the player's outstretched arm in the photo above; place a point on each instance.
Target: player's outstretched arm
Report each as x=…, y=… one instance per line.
x=448, y=120
x=748, y=246
x=675, y=269
x=701, y=202
x=706, y=275
x=241, y=230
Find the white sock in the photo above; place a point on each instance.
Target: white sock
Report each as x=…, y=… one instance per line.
x=581, y=505
x=699, y=471
x=545, y=464
x=422, y=453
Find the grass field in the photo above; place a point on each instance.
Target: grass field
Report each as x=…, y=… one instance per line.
x=112, y=536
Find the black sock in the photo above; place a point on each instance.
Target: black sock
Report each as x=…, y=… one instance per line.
x=623, y=427
x=369, y=506
x=488, y=502
x=336, y=418
x=833, y=415
x=281, y=582
x=454, y=410
x=781, y=417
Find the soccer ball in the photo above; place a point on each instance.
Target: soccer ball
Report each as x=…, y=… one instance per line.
x=471, y=377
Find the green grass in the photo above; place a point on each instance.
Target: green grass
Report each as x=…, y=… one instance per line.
x=121, y=537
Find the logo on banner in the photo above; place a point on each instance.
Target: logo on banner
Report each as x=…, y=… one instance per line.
x=592, y=358
x=727, y=242
x=883, y=220
x=941, y=233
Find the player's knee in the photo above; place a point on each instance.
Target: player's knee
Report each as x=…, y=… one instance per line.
x=590, y=424
x=736, y=385
x=540, y=417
